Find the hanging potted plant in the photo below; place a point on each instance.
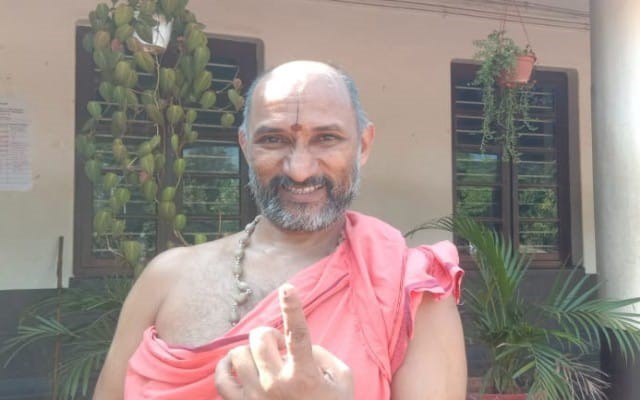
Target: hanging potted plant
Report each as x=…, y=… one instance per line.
x=145, y=94
x=504, y=78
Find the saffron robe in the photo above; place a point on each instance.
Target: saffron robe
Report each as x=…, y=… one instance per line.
x=360, y=303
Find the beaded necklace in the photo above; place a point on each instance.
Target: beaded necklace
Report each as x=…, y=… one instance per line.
x=243, y=291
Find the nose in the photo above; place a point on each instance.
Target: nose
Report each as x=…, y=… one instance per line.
x=300, y=164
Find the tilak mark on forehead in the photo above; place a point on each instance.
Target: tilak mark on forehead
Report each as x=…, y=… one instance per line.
x=296, y=126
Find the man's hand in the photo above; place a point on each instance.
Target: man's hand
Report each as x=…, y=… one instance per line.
x=283, y=367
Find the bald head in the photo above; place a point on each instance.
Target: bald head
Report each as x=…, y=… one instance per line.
x=293, y=78
x=296, y=75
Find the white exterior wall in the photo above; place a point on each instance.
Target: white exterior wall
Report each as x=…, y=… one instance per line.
x=399, y=59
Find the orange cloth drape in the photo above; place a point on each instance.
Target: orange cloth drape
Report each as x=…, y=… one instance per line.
x=360, y=303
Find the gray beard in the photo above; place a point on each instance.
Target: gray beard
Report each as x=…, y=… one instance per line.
x=301, y=217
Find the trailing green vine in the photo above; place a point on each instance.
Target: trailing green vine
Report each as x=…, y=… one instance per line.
x=505, y=106
x=147, y=103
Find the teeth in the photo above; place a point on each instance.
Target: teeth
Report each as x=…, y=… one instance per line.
x=303, y=190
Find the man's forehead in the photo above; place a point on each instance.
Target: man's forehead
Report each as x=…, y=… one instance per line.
x=295, y=80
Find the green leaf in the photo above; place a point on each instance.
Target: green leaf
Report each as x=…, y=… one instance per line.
x=541, y=345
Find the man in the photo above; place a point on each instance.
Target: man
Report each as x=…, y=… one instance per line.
x=355, y=323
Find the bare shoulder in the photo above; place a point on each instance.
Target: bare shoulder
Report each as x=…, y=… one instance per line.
x=155, y=281
x=195, y=283
x=169, y=262
x=170, y=266
x=435, y=364
x=164, y=274
x=160, y=281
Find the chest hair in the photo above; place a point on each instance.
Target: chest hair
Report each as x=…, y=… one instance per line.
x=199, y=308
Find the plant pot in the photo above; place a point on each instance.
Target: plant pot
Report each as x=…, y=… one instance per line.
x=474, y=387
x=486, y=396
x=521, y=73
x=161, y=36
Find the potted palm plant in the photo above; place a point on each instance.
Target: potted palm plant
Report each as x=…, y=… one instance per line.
x=503, y=77
x=538, y=350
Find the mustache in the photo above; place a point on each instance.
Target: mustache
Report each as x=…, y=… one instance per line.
x=287, y=182
x=299, y=217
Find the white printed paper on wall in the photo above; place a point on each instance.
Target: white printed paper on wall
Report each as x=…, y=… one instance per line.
x=15, y=160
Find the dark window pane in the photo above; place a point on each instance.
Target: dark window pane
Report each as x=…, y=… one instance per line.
x=477, y=201
x=541, y=100
x=224, y=71
x=538, y=237
x=212, y=157
x=465, y=248
x=213, y=228
x=136, y=206
x=206, y=195
x=104, y=144
x=537, y=203
x=538, y=133
x=468, y=98
x=468, y=129
x=212, y=119
x=538, y=168
x=477, y=167
x=141, y=229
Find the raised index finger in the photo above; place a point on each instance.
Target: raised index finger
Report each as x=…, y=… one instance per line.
x=296, y=331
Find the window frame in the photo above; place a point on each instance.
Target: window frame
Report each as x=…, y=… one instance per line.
x=510, y=219
x=248, y=52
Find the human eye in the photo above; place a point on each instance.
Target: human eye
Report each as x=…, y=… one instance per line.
x=328, y=138
x=271, y=140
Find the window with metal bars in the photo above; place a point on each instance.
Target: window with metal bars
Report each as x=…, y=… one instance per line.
x=213, y=195
x=526, y=199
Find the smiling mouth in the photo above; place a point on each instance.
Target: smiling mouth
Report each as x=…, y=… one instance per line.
x=302, y=189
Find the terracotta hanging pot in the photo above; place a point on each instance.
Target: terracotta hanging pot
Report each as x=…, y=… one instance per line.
x=521, y=73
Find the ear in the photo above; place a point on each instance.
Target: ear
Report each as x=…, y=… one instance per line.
x=242, y=140
x=366, y=142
